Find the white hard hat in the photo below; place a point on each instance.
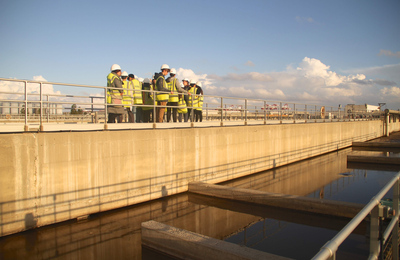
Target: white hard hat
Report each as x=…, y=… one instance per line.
x=192, y=82
x=124, y=74
x=164, y=67
x=186, y=79
x=173, y=71
x=140, y=79
x=146, y=80
x=115, y=67
x=198, y=83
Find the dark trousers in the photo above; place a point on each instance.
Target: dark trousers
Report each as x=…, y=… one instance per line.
x=112, y=117
x=147, y=114
x=173, y=110
x=139, y=115
x=199, y=115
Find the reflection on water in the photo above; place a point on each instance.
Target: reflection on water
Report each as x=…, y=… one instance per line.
x=116, y=234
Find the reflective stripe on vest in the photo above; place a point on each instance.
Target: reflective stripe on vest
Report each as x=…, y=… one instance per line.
x=172, y=87
x=127, y=97
x=200, y=104
x=194, y=100
x=182, y=109
x=110, y=80
x=160, y=95
x=138, y=92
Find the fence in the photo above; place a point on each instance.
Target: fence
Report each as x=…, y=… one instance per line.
x=34, y=105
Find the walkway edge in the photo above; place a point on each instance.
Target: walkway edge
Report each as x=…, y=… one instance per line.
x=189, y=245
x=320, y=206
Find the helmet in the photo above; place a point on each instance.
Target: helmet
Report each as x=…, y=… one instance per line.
x=146, y=80
x=192, y=82
x=115, y=67
x=172, y=71
x=186, y=79
x=124, y=74
x=198, y=84
x=164, y=67
x=140, y=79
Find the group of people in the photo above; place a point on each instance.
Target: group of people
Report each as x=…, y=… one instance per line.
x=126, y=94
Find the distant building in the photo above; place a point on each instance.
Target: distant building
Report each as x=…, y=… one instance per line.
x=358, y=110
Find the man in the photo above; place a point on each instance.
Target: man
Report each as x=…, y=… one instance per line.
x=174, y=86
x=147, y=98
x=114, y=94
x=137, y=86
x=127, y=97
x=183, y=101
x=199, y=95
x=162, y=96
x=193, y=100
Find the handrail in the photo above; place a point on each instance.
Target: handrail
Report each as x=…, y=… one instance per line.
x=224, y=109
x=328, y=251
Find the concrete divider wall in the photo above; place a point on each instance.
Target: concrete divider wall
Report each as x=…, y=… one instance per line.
x=52, y=177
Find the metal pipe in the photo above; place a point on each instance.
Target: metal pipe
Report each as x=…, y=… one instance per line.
x=329, y=249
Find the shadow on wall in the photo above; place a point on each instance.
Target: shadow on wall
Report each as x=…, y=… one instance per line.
x=123, y=192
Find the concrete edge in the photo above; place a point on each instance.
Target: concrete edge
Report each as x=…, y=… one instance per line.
x=189, y=245
x=376, y=144
x=373, y=159
x=313, y=205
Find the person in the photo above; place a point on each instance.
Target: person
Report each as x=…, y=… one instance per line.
x=147, y=100
x=138, y=100
x=192, y=100
x=199, y=110
x=174, y=86
x=162, y=96
x=183, y=102
x=127, y=97
x=114, y=94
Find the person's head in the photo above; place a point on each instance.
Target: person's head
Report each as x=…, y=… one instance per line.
x=192, y=83
x=116, y=69
x=131, y=77
x=172, y=73
x=124, y=75
x=165, y=69
x=185, y=82
x=146, y=82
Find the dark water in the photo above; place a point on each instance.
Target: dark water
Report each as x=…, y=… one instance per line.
x=116, y=234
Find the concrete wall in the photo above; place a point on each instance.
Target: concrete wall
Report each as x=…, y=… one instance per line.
x=52, y=177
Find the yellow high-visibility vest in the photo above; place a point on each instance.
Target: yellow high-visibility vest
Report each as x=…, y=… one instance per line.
x=162, y=96
x=128, y=92
x=138, y=100
x=110, y=80
x=182, y=108
x=172, y=87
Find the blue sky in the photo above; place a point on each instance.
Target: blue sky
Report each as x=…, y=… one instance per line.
x=304, y=51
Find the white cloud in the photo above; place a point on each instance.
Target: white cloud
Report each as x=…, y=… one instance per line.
x=300, y=19
x=310, y=81
x=389, y=53
x=249, y=64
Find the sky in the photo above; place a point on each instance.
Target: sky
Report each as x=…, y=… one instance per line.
x=317, y=52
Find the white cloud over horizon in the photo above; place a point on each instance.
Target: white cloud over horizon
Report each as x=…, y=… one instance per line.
x=311, y=81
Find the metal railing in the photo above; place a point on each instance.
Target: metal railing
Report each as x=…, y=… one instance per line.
x=35, y=102
x=377, y=239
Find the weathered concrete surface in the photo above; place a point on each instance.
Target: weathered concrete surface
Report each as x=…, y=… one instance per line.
x=376, y=144
x=52, y=177
x=313, y=205
x=188, y=245
x=373, y=159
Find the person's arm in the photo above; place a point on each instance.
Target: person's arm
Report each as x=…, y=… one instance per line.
x=160, y=86
x=179, y=87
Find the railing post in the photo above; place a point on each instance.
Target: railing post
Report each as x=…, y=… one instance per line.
x=374, y=233
x=265, y=113
x=305, y=114
x=26, y=128
x=41, y=107
x=206, y=111
x=48, y=109
x=105, y=108
x=245, y=111
x=294, y=115
x=222, y=112
x=280, y=112
x=154, y=109
x=315, y=114
x=395, y=232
